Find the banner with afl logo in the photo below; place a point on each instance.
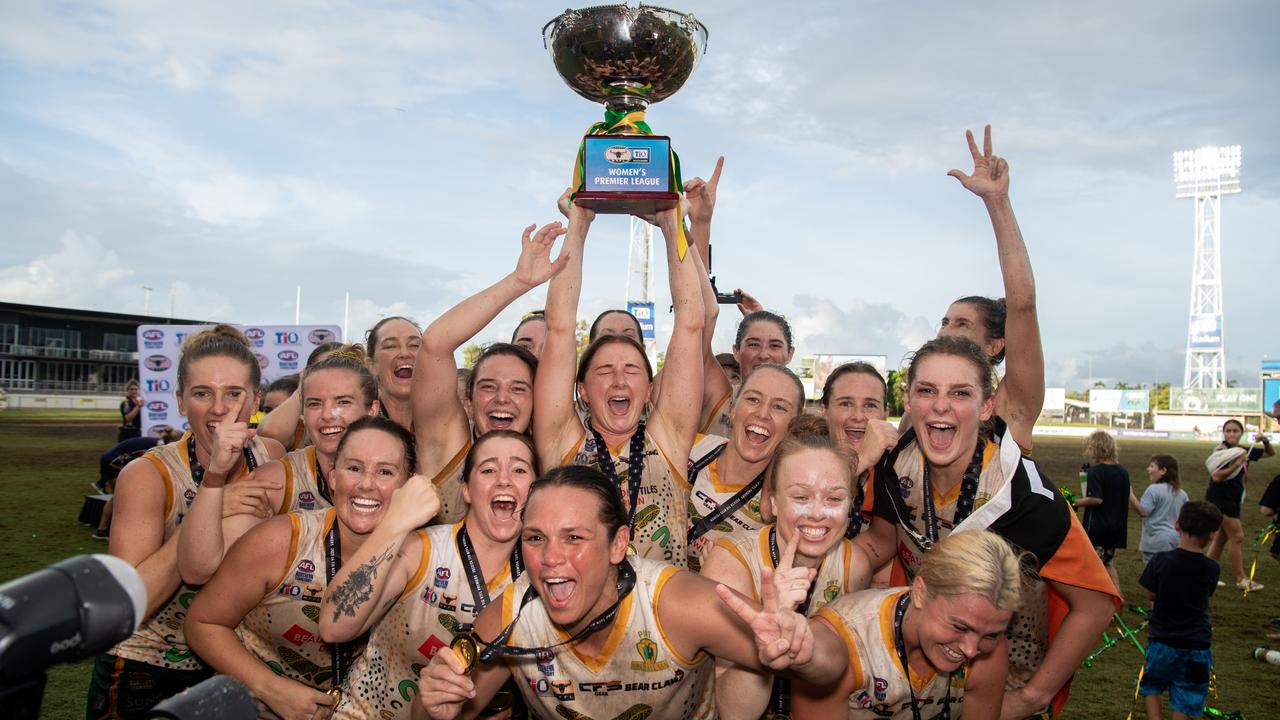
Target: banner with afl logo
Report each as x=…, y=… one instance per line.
x=281, y=350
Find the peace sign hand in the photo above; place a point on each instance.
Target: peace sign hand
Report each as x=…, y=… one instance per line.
x=790, y=583
x=535, y=265
x=783, y=637
x=990, y=178
x=701, y=195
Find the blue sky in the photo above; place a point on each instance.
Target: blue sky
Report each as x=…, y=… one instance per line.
x=235, y=150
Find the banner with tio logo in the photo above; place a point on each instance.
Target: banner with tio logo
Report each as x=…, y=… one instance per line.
x=281, y=350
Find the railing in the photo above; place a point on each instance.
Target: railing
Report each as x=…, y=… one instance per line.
x=51, y=351
x=64, y=387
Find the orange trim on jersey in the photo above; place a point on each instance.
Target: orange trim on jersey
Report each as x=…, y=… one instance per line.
x=886, y=635
x=329, y=517
x=453, y=464
x=715, y=411
x=762, y=544
x=423, y=562
x=286, y=499
x=168, y=482
x=574, y=448
x=299, y=434
x=663, y=576
x=836, y=623
x=295, y=531
x=616, y=633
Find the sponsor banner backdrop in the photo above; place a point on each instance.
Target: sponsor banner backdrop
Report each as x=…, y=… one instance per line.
x=1223, y=400
x=1117, y=401
x=281, y=350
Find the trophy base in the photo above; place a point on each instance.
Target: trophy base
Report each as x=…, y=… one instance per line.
x=626, y=203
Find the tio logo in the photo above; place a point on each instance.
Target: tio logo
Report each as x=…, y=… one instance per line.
x=155, y=386
x=286, y=338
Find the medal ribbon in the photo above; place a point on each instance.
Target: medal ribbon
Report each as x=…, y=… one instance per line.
x=964, y=504
x=635, y=468
x=498, y=648
x=339, y=652
x=197, y=470
x=899, y=612
x=322, y=484
x=471, y=566
x=728, y=507
x=855, y=512
x=633, y=123
x=780, y=696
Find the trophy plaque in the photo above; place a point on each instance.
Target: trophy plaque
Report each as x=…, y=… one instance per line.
x=626, y=58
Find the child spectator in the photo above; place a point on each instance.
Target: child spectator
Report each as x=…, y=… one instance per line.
x=1159, y=507
x=1106, y=514
x=1180, y=582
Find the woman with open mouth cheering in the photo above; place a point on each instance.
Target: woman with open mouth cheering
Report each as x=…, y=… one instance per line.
x=644, y=454
x=258, y=618
x=499, y=393
x=590, y=631
x=417, y=589
x=810, y=491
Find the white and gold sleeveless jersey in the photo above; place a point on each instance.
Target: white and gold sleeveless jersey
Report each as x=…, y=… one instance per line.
x=831, y=581
x=448, y=484
x=160, y=641
x=283, y=631
x=436, y=600
x=636, y=675
x=864, y=622
x=710, y=491
x=301, y=486
x=718, y=422
x=661, y=519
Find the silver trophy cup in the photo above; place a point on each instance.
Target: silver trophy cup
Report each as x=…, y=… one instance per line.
x=625, y=58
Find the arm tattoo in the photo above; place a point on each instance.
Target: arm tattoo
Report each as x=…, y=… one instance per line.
x=358, y=587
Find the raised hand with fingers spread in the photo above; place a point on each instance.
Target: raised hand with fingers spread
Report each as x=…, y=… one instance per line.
x=990, y=177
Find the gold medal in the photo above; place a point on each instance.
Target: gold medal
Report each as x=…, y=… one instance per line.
x=631, y=550
x=465, y=649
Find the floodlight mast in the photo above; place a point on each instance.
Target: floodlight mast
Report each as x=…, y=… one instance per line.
x=640, y=282
x=1206, y=174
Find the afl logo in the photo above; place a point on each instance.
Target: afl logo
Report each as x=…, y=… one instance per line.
x=255, y=334
x=157, y=406
x=157, y=363
x=320, y=336
x=153, y=335
x=287, y=356
x=263, y=360
x=906, y=483
x=307, y=566
x=617, y=154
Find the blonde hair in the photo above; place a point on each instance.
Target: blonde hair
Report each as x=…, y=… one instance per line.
x=976, y=562
x=1100, y=447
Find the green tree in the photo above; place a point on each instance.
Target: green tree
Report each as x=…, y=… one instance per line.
x=897, y=383
x=582, y=335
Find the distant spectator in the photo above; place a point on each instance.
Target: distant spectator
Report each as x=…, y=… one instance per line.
x=1161, y=502
x=1180, y=582
x=130, y=413
x=278, y=391
x=1106, y=504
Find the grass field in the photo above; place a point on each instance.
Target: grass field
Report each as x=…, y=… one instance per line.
x=50, y=457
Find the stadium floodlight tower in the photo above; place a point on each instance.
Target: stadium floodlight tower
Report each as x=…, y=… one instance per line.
x=1206, y=174
x=640, y=284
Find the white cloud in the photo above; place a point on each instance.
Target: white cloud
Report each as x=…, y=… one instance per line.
x=79, y=273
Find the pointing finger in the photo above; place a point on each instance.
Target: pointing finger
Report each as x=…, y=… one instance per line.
x=737, y=604
x=715, y=175
x=973, y=146
x=789, y=554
